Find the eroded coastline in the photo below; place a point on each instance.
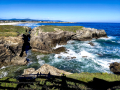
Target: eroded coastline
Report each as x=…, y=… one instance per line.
x=44, y=38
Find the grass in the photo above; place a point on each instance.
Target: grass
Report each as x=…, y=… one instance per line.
x=50, y=28
x=84, y=77
x=10, y=30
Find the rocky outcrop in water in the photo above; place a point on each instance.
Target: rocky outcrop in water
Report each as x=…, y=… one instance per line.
x=88, y=34
x=44, y=41
x=59, y=50
x=115, y=67
x=45, y=69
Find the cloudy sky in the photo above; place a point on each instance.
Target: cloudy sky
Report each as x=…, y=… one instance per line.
x=65, y=10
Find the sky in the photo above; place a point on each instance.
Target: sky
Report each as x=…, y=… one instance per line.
x=65, y=10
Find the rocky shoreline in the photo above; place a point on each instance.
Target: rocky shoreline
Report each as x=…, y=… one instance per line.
x=43, y=42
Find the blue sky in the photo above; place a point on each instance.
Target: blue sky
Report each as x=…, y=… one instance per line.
x=65, y=10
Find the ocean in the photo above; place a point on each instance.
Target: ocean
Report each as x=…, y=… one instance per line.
x=88, y=58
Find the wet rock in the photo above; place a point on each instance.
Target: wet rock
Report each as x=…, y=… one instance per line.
x=115, y=67
x=91, y=44
x=59, y=57
x=68, y=57
x=45, y=69
x=99, y=54
x=59, y=50
x=84, y=56
x=73, y=57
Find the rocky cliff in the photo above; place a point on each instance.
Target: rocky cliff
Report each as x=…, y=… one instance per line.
x=10, y=50
x=44, y=41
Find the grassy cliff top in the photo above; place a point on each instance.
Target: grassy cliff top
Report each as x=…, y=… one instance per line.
x=82, y=81
x=50, y=28
x=10, y=30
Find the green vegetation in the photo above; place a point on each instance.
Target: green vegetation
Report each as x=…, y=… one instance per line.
x=82, y=77
x=9, y=30
x=50, y=28
x=86, y=77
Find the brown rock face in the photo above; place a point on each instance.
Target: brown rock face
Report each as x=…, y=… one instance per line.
x=10, y=47
x=45, y=69
x=115, y=67
x=44, y=41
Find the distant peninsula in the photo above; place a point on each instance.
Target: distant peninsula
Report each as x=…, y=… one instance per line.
x=31, y=21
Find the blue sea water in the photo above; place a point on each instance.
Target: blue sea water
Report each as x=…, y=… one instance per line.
x=87, y=58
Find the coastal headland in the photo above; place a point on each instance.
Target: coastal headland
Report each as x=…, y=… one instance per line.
x=13, y=41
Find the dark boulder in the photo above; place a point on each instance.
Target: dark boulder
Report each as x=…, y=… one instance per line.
x=59, y=50
x=92, y=44
x=115, y=67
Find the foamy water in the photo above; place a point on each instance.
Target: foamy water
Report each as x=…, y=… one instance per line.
x=87, y=58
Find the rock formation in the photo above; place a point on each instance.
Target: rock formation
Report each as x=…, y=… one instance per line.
x=45, y=69
x=10, y=50
x=88, y=34
x=115, y=67
x=44, y=41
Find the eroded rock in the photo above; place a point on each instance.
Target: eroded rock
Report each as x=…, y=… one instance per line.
x=11, y=48
x=44, y=41
x=45, y=69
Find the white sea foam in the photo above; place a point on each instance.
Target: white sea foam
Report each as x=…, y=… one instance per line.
x=66, y=56
x=85, y=53
x=109, y=38
x=28, y=53
x=40, y=56
x=70, y=41
x=41, y=62
x=2, y=67
x=57, y=46
x=4, y=74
